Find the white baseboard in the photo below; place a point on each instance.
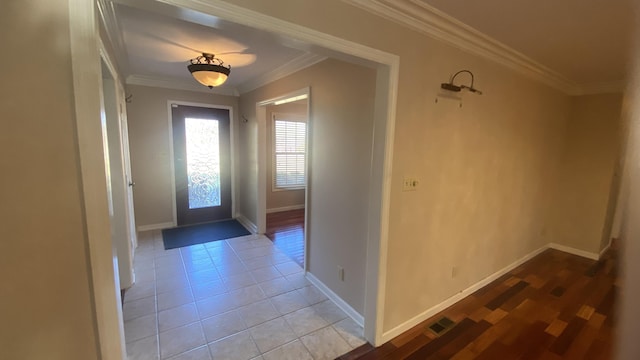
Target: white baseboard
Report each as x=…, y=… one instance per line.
x=158, y=226
x=285, y=208
x=457, y=297
x=574, y=251
x=359, y=319
x=247, y=223
x=482, y=283
x=605, y=249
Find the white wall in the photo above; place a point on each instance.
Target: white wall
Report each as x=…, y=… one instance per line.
x=148, y=118
x=587, y=186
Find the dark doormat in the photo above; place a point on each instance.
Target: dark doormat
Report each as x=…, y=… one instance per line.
x=202, y=233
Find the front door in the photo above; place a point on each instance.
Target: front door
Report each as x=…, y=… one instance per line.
x=201, y=143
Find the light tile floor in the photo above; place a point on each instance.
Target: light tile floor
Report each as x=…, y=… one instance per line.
x=239, y=299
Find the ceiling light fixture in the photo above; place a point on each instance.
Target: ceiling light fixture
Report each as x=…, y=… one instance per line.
x=456, y=88
x=209, y=70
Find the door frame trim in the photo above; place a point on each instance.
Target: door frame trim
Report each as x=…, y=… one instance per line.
x=132, y=242
x=263, y=153
x=86, y=111
x=232, y=143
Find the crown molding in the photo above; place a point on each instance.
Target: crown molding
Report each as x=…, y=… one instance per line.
x=603, y=88
x=109, y=19
x=301, y=62
x=177, y=84
x=430, y=21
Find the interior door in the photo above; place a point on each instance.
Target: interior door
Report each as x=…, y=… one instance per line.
x=201, y=146
x=131, y=223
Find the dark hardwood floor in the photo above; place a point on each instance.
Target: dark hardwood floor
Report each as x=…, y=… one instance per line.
x=555, y=306
x=286, y=230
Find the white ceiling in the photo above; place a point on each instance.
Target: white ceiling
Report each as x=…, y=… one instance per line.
x=583, y=40
x=159, y=42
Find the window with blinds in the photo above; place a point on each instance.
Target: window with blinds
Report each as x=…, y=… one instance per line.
x=289, y=140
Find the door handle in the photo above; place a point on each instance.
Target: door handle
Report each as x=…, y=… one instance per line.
x=132, y=184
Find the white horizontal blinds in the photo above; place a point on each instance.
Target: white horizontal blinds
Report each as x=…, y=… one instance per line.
x=290, y=146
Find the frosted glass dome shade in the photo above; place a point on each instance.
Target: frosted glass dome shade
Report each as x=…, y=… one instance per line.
x=209, y=74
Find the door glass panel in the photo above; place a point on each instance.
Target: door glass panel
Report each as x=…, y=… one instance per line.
x=203, y=162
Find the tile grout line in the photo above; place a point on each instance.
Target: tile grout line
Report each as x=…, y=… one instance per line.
x=199, y=321
x=267, y=298
x=174, y=307
x=247, y=328
x=299, y=338
x=216, y=266
x=152, y=259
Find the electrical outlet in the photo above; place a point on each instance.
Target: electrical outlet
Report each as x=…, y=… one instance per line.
x=454, y=271
x=410, y=184
x=340, y=273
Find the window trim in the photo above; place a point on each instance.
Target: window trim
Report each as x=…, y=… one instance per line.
x=291, y=118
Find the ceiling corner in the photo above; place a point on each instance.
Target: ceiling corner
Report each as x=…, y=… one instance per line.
x=165, y=83
x=612, y=87
x=301, y=62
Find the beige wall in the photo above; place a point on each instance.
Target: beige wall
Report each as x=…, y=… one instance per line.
x=149, y=143
x=628, y=309
x=486, y=172
x=628, y=345
x=341, y=128
x=47, y=310
x=486, y=169
x=583, y=215
x=282, y=198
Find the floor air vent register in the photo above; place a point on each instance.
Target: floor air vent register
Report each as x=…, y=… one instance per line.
x=441, y=326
